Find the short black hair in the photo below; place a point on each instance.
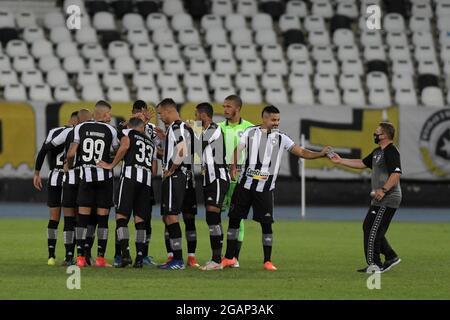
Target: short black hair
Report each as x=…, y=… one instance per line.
x=138, y=105
x=135, y=122
x=167, y=102
x=207, y=108
x=74, y=114
x=236, y=99
x=270, y=109
x=103, y=103
x=388, y=129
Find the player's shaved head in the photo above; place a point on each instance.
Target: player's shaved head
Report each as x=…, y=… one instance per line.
x=235, y=100
x=137, y=124
x=102, y=111
x=73, y=121
x=84, y=115
x=167, y=103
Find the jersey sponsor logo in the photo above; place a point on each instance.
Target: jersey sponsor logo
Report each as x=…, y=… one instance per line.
x=398, y=169
x=257, y=174
x=435, y=143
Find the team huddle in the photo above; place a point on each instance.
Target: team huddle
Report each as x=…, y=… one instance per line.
x=239, y=165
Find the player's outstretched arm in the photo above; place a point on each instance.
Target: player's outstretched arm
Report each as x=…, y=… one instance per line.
x=308, y=154
x=351, y=163
x=121, y=152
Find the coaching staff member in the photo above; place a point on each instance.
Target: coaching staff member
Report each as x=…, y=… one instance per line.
x=386, y=196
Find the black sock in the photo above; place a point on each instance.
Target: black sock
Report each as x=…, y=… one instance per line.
x=123, y=236
x=52, y=235
x=117, y=247
x=215, y=235
x=267, y=239
x=80, y=233
x=148, y=236
x=238, y=249
x=102, y=235
x=191, y=235
x=167, y=241
x=69, y=237
x=141, y=240
x=232, y=237
x=175, y=240
x=90, y=237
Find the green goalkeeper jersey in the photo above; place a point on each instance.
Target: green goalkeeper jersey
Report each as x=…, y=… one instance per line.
x=232, y=133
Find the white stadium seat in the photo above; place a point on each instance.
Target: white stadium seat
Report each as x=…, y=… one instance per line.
x=402, y=66
x=297, y=51
x=176, y=66
x=157, y=21
x=324, y=81
x=276, y=96
x=7, y=19
x=137, y=36
x=200, y=65
x=297, y=8
x=163, y=36
x=417, y=23
x=289, y=21
x=54, y=19
x=40, y=48
x=429, y=67
x=319, y=38
x=262, y=21
x=189, y=36
x=15, y=92
x=374, y=53
x=88, y=78
x=322, y=9
x=92, y=50
x=124, y=64
x=118, y=94
x=265, y=37
x=380, y=98
x=32, y=77
x=49, y=62
x=349, y=81
x=60, y=34
x=8, y=77
x=251, y=95
x=16, y=48
x=371, y=38
x=377, y=80
x=192, y=79
x=422, y=53
x=301, y=66
x=172, y=7
x=152, y=65
x=92, y=93
x=422, y=38
x=169, y=51
x=254, y=66
x=354, y=97
x=352, y=66
x=221, y=7
x=299, y=80
x=328, y=66
x=132, y=21
x=148, y=93
x=402, y=81
x=221, y=93
x=182, y=21
x=176, y=93
x=197, y=94
x=26, y=19
x=66, y=48
x=343, y=37
x=216, y=36
x=40, y=92
x=247, y=8
x=217, y=80
x=211, y=21
x=245, y=51
x=302, y=96
x=117, y=49
x=31, y=34
x=271, y=80
x=422, y=10
x=399, y=52
x=222, y=51
x=246, y=80
x=103, y=21
x=86, y=35
x=113, y=79
x=194, y=51
x=313, y=23
x=393, y=22
x=56, y=77
x=397, y=39
x=235, y=21
x=321, y=53
x=348, y=52
x=241, y=36
x=23, y=63
x=167, y=79
x=143, y=78
x=330, y=97
x=73, y=64
x=278, y=66
x=100, y=64
x=272, y=51
x=347, y=9
x=227, y=66
x=65, y=93
x=432, y=97
x=406, y=97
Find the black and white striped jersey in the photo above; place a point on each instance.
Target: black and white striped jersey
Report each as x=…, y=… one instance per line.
x=55, y=158
x=65, y=138
x=213, y=155
x=151, y=132
x=137, y=163
x=177, y=132
x=97, y=140
x=263, y=152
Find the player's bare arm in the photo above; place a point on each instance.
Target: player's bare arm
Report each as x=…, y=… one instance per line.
x=351, y=163
x=179, y=156
x=121, y=152
x=308, y=154
x=71, y=155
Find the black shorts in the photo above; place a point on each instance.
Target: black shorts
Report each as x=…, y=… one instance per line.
x=261, y=202
x=54, y=194
x=190, y=199
x=69, y=195
x=215, y=193
x=134, y=198
x=173, y=190
x=97, y=194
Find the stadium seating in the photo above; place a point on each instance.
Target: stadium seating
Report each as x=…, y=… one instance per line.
x=262, y=49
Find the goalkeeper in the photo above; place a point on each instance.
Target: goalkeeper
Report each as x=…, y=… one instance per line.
x=232, y=128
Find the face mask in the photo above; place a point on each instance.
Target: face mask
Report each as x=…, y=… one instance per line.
x=376, y=138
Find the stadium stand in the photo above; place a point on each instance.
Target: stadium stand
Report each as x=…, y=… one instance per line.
x=299, y=52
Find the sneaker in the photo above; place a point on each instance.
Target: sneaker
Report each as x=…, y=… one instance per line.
x=51, y=261
x=192, y=262
x=211, y=265
x=148, y=261
x=269, y=266
x=227, y=262
x=81, y=262
x=125, y=261
x=388, y=264
x=117, y=261
x=236, y=265
x=138, y=264
x=371, y=270
x=68, y=262
x=169, y=258
x=102, y=263
x=172, y=265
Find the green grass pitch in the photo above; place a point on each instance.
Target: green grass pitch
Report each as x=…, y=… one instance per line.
x=316, y=260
